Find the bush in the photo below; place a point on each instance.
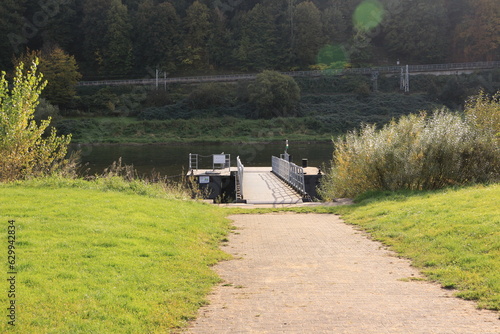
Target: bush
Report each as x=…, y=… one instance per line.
x=416, y=152
x=45, y=110
x=274, y=94
x=24, y=150
x=484, y=113
x=211, y=94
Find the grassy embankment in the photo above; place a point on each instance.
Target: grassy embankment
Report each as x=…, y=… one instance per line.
x=107, y=256
x=111, y=257
x=319, y=118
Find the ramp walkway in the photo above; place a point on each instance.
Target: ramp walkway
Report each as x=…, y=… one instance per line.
x=261, y=186
x=296, y=273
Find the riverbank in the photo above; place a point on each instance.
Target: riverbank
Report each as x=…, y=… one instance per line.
x=319, y=117
x=125, y=130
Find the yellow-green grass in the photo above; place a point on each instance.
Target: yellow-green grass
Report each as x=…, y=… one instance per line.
x=452, y=235
x=96, y=261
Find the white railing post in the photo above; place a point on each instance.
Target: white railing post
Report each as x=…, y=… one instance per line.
x=239, y=178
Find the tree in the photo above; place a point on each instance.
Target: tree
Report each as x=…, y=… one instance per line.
x=420, y=32
x=62, y=24
x=335, y=25
x=274, y=94
x=24, y=151
x=157, y=35
x=61, y=72
x=221, y=40
x=107, y=31
x=197, y=33
x=12, y=39
x=59, y=69
x=257, y=45
x=477, y=36
x=308, y=32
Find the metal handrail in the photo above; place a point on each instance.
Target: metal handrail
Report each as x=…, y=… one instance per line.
x=193, y=161
x=239, y=178
x=289, y=172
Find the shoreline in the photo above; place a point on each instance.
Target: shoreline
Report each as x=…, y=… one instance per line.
x=185, y=143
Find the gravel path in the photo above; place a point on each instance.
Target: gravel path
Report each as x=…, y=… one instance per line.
x=296, y=273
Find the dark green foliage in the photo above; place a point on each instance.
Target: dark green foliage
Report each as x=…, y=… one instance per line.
x=256, y=49
x=329, y=84
x=418, y=31
x=158, y=35
x=308, y=33
x=12, y=40
x=274, y=94
x=107, y=31
x=452, y=91
x=211, y=95
x=116, y=38
x=76, y=127
x=183, y=110
x=343, y=112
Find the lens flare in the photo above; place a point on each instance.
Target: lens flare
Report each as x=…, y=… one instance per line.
x=332, y=57
x=368, y=15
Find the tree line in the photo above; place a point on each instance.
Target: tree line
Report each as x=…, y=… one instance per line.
x=135, y=37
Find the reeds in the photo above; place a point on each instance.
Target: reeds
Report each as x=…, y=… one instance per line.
x=416, y=152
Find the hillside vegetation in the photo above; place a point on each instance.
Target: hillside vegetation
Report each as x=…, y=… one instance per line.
x=136, y=37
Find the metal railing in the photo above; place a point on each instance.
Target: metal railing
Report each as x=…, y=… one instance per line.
x=289, y=172
x=219, y=161
x=193, y=161
x=237, y=77
x=239, y=179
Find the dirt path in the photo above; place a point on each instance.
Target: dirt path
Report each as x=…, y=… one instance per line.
x=314, y=274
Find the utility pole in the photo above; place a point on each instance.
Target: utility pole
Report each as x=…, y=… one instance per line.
x=157, y=73
x=404, y=82
x=375, y=75
x=407, y=88
x=292, y=25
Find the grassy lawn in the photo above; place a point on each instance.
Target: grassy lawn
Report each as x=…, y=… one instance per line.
x=452, y=236
x=96, y=261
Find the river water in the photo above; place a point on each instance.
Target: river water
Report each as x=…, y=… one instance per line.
x=171, y=160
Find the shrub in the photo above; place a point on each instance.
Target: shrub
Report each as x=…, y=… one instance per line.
x=46, y=110
x=484, y=113
x=24, y=151
x=416, y=152
x=211, y=94
x=274, y=94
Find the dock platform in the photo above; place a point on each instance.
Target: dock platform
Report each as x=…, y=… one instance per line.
x=261, y=186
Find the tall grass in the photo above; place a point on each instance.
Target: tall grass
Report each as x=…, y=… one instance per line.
x=416, y=152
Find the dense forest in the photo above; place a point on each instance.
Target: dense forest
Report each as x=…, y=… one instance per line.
x=133, y=38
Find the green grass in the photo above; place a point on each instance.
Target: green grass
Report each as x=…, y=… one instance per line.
x=452, y=235
x=205, y=130
x=91, y=259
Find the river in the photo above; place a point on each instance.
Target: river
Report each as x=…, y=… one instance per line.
x=172, y=160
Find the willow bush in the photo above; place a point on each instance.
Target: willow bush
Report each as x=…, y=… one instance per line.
x=25, y=148
x=417, y=152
